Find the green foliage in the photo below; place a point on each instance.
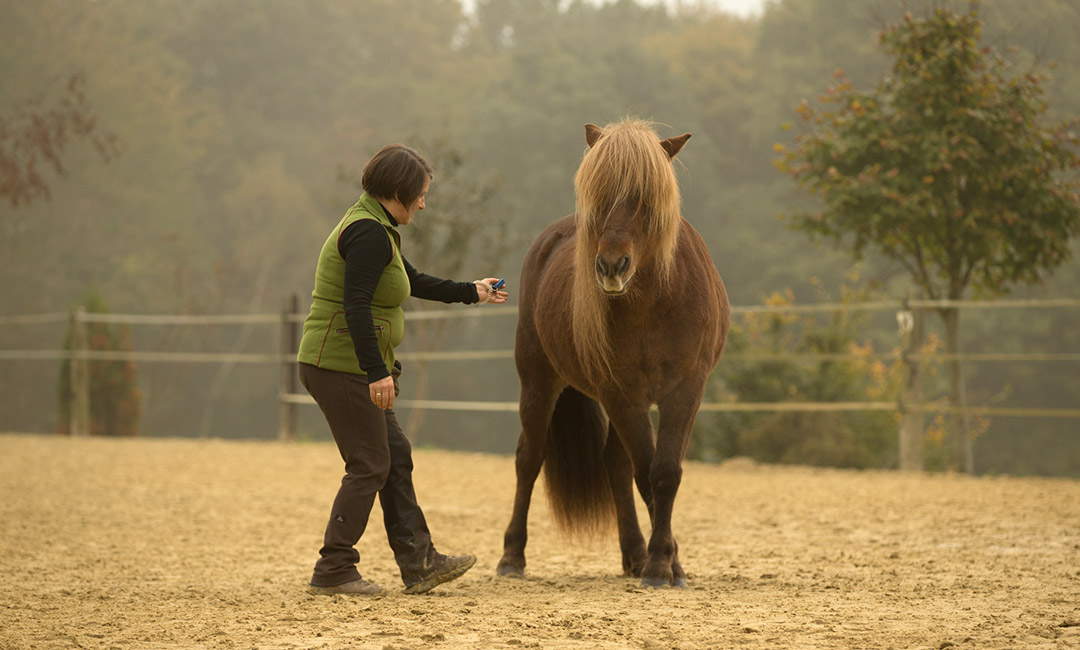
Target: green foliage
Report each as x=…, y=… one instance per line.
x=760, y=364
x=946, y=167
x=114, y=397
x=236, y=115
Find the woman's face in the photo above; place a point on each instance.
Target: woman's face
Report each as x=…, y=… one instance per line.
x=409, y=211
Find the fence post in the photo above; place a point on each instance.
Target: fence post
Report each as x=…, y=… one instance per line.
x=79, y=406
x=911, y=394
x=289, y=342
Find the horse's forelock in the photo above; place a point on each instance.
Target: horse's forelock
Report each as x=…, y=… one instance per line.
x=625, y=166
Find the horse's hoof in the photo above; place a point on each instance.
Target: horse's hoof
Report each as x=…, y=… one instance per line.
x=633, y=570
x=655, y=583
x=511, y=571
x=680, y=583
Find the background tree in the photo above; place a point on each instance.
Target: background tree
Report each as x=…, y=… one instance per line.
x=947, y=167
x=235, y=118
x=35, y=133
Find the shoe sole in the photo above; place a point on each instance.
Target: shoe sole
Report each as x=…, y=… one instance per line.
x=333, y=591
x=428, y=584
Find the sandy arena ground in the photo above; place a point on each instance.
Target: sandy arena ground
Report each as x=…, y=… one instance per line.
x=152, y=543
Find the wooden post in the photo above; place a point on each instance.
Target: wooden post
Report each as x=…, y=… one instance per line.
x=79, y=406
x=911, y=394
x=289, y=346
x=963, y=452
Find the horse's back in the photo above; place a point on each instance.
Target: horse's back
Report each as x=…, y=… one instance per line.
x=549, y=259
x=557, y=237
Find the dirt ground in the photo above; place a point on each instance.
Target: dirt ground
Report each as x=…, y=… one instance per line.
x=169, y=543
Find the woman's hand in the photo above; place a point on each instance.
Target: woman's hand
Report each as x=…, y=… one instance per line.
x=382, y=393
x=489, y=295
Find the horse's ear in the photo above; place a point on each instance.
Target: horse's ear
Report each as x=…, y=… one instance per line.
x=592, y=134
x=674, y=145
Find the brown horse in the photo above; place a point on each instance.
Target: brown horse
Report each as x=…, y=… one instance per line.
x=621, y=308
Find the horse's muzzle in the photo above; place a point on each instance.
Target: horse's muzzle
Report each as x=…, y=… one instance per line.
x=612, y=274
x=613, y=290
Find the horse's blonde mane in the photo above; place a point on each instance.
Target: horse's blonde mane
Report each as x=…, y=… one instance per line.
x=626, y=166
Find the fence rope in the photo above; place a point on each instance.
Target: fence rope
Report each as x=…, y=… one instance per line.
x=481, y=355
x=36, y=319
x=739, y=407
x=465, y=355
x=510, y=310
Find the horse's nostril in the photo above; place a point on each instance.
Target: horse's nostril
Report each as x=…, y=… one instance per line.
x=619, y=267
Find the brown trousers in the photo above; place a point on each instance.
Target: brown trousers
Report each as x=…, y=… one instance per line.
x=378, y=460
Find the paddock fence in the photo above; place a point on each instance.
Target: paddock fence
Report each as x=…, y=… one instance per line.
x=909, y=313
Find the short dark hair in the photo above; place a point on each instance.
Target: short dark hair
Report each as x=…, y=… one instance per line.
x=396, y=172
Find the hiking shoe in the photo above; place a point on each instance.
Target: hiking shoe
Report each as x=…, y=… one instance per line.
x=359, y=587
x=441, y=568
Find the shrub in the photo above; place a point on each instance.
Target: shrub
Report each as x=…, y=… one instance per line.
x=762, y=364
x=114, y=397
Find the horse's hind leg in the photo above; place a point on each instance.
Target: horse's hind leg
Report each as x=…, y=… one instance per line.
x=536, y=407
x=621, y=476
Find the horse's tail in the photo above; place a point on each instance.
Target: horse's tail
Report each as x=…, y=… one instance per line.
x=574, y=470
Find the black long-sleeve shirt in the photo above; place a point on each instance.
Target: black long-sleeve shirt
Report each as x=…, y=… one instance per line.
x=366, y=249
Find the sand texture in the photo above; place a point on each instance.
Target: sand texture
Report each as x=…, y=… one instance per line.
x=174, y=543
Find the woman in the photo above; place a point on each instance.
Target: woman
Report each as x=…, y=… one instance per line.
x=347, y=364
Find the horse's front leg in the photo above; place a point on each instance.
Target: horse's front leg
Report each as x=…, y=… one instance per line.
x=536, y=407
x=620, y=473
x=676, y=422
x=631, y=433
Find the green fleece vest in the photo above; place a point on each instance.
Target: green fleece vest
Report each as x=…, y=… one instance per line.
x=326, y=342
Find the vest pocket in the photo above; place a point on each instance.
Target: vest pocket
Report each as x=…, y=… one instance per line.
x=345, y=330
x=334, y=347
x=382, y=334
